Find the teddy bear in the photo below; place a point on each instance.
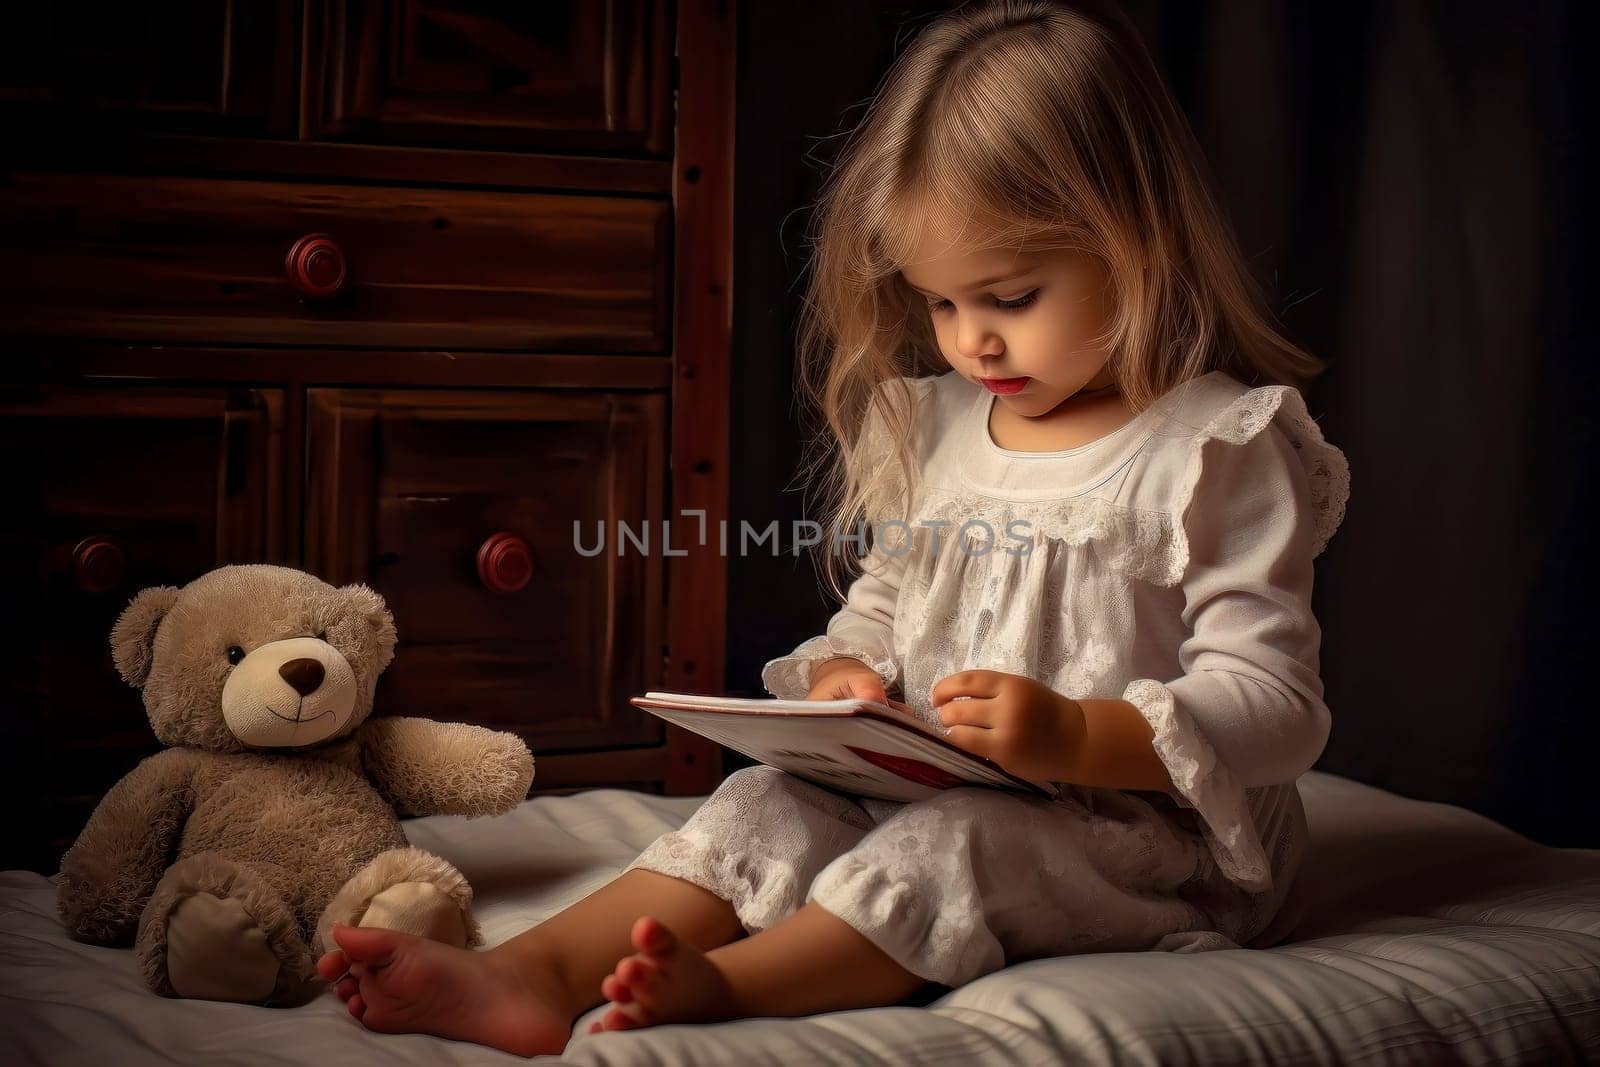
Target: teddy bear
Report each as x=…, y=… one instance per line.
x=226, y=857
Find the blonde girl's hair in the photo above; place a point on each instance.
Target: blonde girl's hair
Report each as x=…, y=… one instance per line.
x=1026, y=123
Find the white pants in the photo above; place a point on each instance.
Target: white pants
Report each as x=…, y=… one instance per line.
x=967, y=882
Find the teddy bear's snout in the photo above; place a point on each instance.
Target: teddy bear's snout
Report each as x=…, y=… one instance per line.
x=305, y=675
x=294, y=692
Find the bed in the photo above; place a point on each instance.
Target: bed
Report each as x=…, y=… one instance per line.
x=1418, y=933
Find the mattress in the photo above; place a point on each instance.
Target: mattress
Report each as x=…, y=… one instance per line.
x=1417, y=933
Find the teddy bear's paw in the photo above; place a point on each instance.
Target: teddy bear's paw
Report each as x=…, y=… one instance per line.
x=215, y=951
x=419, y=908
x=405, y=889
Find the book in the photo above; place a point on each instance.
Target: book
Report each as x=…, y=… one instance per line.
x=862, y=747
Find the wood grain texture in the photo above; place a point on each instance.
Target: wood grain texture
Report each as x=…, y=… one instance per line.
x=576, y=76
x=202, y=260
x=406, y=485
x=703, y=192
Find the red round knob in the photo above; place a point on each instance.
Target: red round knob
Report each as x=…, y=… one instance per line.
x=504, y=563
x=99, y=563
x=315, y=266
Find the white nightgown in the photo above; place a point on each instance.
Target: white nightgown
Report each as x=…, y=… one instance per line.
x=1168, y=563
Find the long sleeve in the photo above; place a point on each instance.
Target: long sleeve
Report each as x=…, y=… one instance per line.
x=1251, y=663
x=1248, y=709
x=863, y=628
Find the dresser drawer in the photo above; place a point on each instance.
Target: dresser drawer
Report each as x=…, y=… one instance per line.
x=459, y=507
x=206, y=260
x=555, y=76
x=110, y=490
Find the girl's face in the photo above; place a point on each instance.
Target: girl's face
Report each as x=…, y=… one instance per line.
x=1012, y=314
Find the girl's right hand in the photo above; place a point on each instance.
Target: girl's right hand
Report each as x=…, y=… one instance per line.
x=850, y=679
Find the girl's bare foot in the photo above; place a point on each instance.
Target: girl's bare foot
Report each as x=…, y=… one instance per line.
x=401, y=984
x=666, y=981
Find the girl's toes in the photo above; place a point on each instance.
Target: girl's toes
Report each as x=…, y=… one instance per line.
x=332, y=964
x=612, y=988
x=617, y=1019
x=637, y=974
x=650, y=936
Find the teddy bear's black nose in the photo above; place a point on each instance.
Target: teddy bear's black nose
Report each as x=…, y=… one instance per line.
x=304, y=674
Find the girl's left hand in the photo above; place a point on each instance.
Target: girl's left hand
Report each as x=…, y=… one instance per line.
x=1024, y=726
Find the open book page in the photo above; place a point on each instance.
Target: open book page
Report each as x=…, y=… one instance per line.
x=862, y=747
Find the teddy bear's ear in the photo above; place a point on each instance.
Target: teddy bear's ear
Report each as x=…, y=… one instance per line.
x=133, y=637
x=365, y=604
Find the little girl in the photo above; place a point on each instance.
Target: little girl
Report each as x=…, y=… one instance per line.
x=1091, y=561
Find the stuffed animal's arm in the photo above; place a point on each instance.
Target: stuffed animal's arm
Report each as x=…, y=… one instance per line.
x=423, y=767
x=110, y=871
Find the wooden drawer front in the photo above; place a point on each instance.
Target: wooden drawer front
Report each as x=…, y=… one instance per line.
x=183, y=259
x=113, y=490
x=561, y=75
x=214, y=67
x=406, y=488
x=555, y=76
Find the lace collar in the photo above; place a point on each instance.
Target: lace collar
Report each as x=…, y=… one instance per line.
x=1074, y=472
x=1144, y=538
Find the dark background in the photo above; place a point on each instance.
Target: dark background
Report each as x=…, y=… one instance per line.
x=1406, y=180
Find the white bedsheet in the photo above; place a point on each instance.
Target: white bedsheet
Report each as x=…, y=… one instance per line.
x=1419, y=933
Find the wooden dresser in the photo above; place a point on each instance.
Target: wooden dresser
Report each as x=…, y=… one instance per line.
x=394, y=292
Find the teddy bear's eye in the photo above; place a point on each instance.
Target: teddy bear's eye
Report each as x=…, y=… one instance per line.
x=235, y=654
